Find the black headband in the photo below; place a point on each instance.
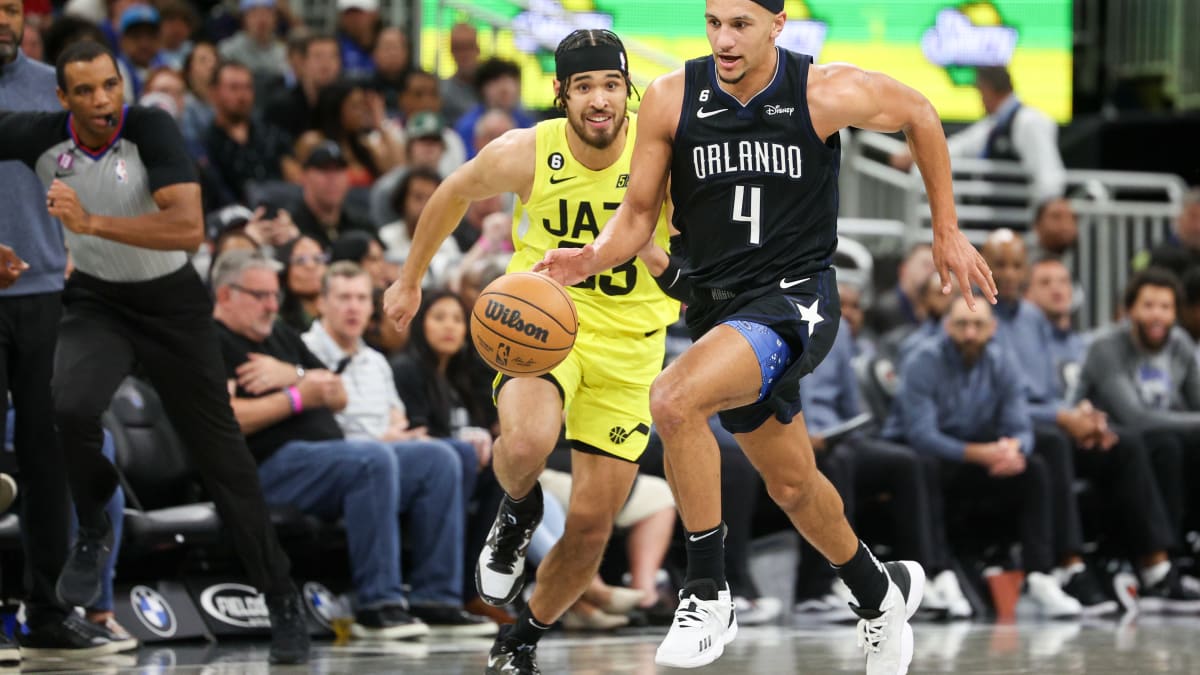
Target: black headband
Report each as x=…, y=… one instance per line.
x=590, y=57
x=773, y=6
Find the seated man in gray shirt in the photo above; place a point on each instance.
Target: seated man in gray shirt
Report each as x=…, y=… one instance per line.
x=960, y=399
x=1116, y=459
x=1117, y=462
x=1143, y=374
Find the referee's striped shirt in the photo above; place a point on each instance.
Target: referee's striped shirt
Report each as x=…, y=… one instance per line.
x=145, y=154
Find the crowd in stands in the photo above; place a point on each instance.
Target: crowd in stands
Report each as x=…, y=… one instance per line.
x=317, y=153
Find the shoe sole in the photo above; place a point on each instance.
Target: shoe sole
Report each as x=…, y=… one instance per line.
x=392, y=633
x=1101, y=609
x=916, y=591
x=479, y=630
x=127, y=644
x=1150, y=605
x=60, y=653
x=10, y=654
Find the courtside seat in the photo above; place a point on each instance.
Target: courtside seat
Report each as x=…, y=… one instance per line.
x=10, y=532
x=167, y=506
x=877, y=382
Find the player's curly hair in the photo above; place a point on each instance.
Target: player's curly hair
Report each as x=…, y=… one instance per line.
x=586, y=37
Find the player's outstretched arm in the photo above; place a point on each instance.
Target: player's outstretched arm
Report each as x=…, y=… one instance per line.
x=841, y=95
x=634, y=221
x=506, y=164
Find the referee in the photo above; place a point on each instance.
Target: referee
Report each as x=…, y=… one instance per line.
x=125, y=190
x=30, y=308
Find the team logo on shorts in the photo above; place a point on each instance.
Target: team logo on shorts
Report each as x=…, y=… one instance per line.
x=620, y=434
x=122, y=174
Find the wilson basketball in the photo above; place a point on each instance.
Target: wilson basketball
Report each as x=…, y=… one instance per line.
x=524, y=324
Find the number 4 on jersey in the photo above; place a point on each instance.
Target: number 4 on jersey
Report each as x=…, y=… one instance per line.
x=749, y=211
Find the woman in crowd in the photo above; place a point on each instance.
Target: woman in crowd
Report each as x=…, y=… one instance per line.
x=354, y=118
x=198, y=70
x=304, y=264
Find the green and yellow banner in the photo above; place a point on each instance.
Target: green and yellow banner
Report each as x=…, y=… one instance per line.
x=931, y=45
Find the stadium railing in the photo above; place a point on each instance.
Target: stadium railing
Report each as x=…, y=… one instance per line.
x=1119, y=212
x=1154, y=38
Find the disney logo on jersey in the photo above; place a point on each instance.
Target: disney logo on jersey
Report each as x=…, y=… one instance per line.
x=758, y=157
x=772, y=110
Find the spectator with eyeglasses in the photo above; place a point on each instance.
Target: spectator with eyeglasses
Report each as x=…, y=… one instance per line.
x=285, y=400
x=304, y=263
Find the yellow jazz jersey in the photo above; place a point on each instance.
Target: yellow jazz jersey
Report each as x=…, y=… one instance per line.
x=568, y=206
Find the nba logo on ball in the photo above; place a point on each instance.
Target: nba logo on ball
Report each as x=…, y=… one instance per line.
x=524, y=324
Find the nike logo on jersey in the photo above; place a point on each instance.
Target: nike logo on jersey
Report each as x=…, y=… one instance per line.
x=784, y=283
x=702, y=113
x=555, y=180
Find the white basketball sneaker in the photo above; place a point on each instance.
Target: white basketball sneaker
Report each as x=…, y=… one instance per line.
x=500, y=572
x=884, y=633
x=701, y=628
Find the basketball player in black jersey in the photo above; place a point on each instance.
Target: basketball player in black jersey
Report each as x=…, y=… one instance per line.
x=749, y=139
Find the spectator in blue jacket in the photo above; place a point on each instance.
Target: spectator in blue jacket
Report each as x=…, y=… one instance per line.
x=860, y=467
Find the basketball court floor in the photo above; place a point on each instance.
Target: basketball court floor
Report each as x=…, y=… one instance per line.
x=1132, y=645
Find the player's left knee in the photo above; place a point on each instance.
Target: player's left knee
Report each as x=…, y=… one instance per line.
x=669, y=406
x=588, y=531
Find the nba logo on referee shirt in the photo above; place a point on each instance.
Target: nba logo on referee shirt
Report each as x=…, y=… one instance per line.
x=122, y=174
x=64, y=163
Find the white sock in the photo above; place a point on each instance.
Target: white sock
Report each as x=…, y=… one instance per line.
x=1156, y=573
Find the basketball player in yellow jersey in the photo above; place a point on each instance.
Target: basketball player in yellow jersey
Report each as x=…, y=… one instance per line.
x=570, y=175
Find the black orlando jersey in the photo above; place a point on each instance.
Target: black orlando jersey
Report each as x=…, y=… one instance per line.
x=755, y=190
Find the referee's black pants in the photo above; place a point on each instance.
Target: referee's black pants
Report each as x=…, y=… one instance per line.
x=28, y=326
x=165, y=326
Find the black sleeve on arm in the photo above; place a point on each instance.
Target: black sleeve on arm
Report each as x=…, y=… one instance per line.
x=673, y=281
x=161, y=146
x=24, y=136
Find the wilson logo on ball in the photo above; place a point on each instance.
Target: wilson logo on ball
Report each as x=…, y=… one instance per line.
x=511, y=318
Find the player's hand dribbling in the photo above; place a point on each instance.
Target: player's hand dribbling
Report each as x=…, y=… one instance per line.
x=567, y=266
x=63, y=203
x=953, y=253
x=11, y=266
x=400, y=303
